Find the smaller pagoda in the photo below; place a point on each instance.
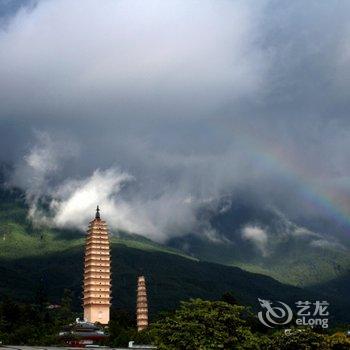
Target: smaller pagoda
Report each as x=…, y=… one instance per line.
x=141, y=304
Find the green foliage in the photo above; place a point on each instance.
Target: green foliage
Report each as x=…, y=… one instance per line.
x=200, y=324
x=32, y=324
x=65, y=311
x=307, y=339
x=338, y=341
x=301, y=339
x=122, y=328
x=196, y=324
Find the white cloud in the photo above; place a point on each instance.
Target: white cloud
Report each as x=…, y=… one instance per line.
x=257, y=236
x=73, y=204
x=41, y=166
x=325, y=244
x=71, y=201
x=304, y=232
x=43, y=162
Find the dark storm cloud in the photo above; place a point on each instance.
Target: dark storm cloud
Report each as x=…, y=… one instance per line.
x=177, y=102
x=9, y=7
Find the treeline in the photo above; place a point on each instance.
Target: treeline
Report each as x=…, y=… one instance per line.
x=196, y=324
x=201, y=324
x=33, y=323
x=39, y=323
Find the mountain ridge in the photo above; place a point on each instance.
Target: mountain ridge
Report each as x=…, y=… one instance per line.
x=262, y=239
x=32, y=258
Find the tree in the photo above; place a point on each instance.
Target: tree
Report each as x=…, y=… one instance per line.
x=121, y=328
x=229, y=298
x=41, y=295
x=298, y=338
x=338, y=341
x=10, y=314
x=66, y=306
x=200, y=324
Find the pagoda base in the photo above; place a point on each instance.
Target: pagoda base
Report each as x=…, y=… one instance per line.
x=96, y=313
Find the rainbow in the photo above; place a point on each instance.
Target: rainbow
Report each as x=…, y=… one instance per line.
x=335, y=205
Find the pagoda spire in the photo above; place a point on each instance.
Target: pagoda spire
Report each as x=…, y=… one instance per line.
x=97, y=216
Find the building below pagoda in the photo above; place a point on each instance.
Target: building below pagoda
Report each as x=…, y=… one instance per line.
x=141, y=304
x=97, y=272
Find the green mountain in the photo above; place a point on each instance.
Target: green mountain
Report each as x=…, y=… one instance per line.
x=36, y=259
x=261, y=239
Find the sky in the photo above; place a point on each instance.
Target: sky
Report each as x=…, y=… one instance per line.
x=153, y=109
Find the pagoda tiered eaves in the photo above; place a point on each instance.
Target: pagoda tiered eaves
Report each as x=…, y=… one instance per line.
x=141, y=304
x=97, y=274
